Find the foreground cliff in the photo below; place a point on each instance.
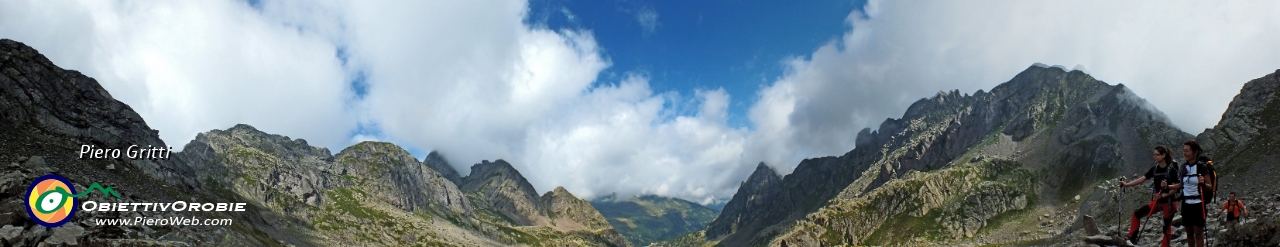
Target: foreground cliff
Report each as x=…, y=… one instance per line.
x=371, y=193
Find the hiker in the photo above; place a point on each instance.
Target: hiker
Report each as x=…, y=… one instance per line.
x=1164, y=172
x=1233, y=207
x=1191, y=184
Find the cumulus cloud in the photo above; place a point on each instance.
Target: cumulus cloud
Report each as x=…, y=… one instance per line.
x=1187, y=58
x=478, y=83
x=193, y=66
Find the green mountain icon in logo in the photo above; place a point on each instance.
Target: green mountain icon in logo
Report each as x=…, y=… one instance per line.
x=95, y=186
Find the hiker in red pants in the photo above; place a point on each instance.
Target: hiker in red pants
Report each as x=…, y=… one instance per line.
x=1161, y=174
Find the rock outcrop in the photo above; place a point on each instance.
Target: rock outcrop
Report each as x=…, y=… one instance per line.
x=392, y=174
x=264, y=167
x=502, y=190
x=567, y=212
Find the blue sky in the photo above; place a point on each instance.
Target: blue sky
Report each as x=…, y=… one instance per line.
x=735, y=45
x=672, y=98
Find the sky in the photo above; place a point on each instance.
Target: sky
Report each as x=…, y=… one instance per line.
x=672, y=98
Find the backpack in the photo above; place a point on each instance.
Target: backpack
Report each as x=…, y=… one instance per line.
x=1212, y=176
x=1234, y=207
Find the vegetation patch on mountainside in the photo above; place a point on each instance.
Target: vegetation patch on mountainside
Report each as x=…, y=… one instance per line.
x=649, y=219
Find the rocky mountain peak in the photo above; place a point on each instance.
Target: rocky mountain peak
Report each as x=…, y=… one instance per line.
x=247, y=136
x=760, y=187
x=437, y=162
x=498, y=171
x=504, y=190
x=567, y=212
x=560, y=191
x=244, y=127
x=762, y=173
x=384, y=152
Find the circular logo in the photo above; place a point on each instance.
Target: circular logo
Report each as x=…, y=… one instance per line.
x=49, y=200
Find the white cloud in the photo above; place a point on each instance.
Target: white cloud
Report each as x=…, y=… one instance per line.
x=189, y=67
x=475, y=82
x=1187, y=58
x=648, y=19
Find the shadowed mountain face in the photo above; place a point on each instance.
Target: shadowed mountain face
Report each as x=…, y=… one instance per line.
x=1061, y=131
x=649, y=219
x=371, y=193
x=1248, y=128
x=1244, y=148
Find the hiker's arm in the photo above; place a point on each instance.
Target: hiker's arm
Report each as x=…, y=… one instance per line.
x=1132, y=183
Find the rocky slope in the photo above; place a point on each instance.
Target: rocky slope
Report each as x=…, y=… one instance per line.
x=1065, y=129
x=371, y=193
x=643, y=220
x=1244, y=142
x=511, y=200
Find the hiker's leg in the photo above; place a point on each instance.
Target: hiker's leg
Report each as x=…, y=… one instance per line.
x=1198, y=232
x=1136, y=222
x=1167, y=210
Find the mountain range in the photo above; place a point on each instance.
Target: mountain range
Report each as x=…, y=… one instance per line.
x=1024, y=164
x=1029, y=163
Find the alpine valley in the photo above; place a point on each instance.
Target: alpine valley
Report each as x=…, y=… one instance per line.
x=1031, y=162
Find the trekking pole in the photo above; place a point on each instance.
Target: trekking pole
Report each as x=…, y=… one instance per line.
x=1119, y=207
x=1154, y=202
